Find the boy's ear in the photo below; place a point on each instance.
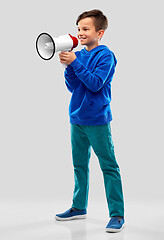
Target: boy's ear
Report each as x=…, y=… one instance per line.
x=100, y=34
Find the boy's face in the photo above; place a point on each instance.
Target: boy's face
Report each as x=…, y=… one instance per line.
x=87, y=33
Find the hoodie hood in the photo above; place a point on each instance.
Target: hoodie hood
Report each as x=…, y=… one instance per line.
x=115, y=60
x=98, y=49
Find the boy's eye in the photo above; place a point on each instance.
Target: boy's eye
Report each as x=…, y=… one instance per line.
x=85, y=29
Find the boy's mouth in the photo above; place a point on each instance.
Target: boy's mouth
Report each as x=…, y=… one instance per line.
x=81, y=38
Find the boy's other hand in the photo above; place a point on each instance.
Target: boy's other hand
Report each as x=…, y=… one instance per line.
x=67, y=57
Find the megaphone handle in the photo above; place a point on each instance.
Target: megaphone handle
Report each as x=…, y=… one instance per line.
x=64, y=65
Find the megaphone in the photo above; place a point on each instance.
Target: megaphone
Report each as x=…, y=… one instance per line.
x=47, y=46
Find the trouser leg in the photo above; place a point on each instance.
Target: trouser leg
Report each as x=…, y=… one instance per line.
x=101, y=140
x=81, y=150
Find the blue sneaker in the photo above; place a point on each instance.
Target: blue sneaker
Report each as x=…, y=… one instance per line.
x=71, y=214
x=116, y=224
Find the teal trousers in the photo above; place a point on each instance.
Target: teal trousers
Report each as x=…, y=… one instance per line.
x=100, y=139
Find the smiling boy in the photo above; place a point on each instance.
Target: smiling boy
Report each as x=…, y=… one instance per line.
x=88, y=77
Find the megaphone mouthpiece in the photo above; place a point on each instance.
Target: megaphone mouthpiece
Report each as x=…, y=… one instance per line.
x=75, y=41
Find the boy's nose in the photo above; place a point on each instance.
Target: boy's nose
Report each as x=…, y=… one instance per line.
x=80, y=34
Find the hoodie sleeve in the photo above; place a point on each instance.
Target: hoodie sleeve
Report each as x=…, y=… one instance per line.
x=95, y=80
x=70, y=78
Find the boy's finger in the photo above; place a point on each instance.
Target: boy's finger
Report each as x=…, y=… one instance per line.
x=63, y=59
x=61, y=54
x=64, y=53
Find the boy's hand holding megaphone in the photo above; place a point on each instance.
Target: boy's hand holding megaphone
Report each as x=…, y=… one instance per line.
x=67, y=57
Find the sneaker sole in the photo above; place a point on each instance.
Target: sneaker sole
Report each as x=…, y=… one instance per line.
x=114, y=230
x=70, y=218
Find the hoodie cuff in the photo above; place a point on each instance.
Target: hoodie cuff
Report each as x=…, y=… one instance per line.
x=68, y=69
x=76, y=64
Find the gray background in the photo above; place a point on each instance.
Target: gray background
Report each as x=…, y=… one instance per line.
x=35, y=150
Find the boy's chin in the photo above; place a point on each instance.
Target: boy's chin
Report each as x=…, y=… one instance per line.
x=86, y=44
x=82, y=43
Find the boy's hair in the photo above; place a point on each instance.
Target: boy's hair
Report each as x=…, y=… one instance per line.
x=100, y=20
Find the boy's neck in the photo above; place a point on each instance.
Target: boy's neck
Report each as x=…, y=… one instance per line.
x=89, y=48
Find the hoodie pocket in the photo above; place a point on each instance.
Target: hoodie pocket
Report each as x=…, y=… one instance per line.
x=87, y=109
x=98, y=100
x=92, y=106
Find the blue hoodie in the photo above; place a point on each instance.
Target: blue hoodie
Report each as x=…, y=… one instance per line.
x=89, y=78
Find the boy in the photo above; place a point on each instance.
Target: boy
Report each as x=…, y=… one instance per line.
x=88, y=77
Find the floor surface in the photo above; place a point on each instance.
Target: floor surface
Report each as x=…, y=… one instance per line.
x=35, y=221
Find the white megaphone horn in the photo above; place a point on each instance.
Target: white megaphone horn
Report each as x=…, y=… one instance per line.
x=47, y=46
